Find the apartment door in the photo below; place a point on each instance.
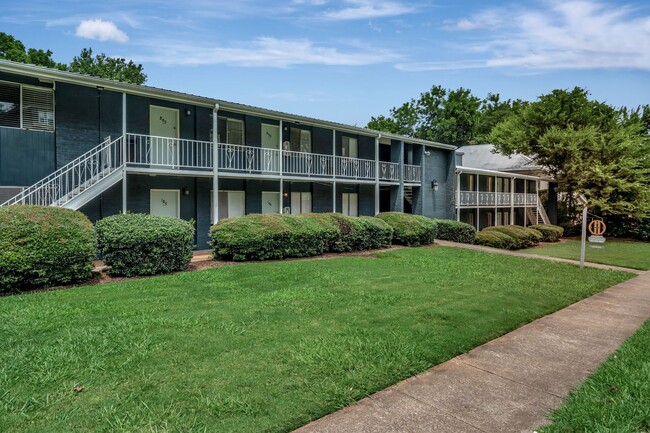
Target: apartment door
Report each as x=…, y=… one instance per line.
x=270, y=202
x=231, y=204
x=270, y=148
x=350, y=204
x=163, y=127
x=165, y=202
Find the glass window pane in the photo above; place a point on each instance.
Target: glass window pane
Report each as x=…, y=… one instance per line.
x=10, y=105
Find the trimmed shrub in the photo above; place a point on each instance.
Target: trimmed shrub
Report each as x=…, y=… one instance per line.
x=550, y=233
x=142, y=244
x=410, y=230
x=269, y=236
x=44, y=246
x=523, y=237
x=456, y=231
x=495, y=239
x=353, y=233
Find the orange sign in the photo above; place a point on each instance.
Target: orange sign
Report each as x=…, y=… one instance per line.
x=597, y=227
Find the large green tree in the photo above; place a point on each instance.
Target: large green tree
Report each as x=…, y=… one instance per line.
x=99, y=65
x=447, y=116
x=589, y=147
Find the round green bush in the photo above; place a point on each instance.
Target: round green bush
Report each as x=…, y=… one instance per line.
x=523, y=237
x=269, y=236
x=353, y=233
x=410, y=230
x=44, y=246
x=550, y=233
x=456, y=231
x=495, y=239
x=142, y=244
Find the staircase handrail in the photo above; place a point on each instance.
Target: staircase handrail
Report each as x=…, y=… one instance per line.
x=69, y=167
x=543, y=213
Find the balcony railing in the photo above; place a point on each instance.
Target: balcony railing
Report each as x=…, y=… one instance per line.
x=482, y=198
x=164, y=153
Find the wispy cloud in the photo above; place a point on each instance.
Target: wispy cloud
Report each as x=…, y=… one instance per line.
x=367, y=9
x=264, y=52
x=101, y=30
x=578, y=34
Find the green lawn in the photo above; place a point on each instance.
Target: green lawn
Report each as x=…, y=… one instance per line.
x=617, y=252
x=261, y=347
x=616, y=398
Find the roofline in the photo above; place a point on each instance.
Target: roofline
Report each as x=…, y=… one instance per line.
x=462, y=169
x=55, y=75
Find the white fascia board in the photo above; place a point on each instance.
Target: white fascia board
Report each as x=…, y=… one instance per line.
x=471, y=170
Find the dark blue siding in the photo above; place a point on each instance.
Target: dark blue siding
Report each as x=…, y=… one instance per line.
x=25, y=156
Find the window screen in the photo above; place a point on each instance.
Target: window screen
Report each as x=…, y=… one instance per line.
x=38, y=109
x=10, y=105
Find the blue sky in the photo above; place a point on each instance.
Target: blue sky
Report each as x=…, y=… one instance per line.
x=348, y=60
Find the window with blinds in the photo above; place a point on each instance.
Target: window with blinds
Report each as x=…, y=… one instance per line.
x=26, y=107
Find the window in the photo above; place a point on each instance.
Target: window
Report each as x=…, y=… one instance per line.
x=503, y=184
x=300, y=140
x=350, y=204
x=26, y=107
x=230, y=131
x=300, y=202
x=350, y=147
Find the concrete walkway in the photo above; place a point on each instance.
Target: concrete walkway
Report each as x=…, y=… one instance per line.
x=508, y=384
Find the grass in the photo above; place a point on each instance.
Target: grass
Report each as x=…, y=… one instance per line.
x=617, y=396
x=617, y=252
x=261, y=347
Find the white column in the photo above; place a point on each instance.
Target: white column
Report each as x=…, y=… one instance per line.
x=281, y=167
x=377, y=174
x=124, y=155
x=496, y=205
x=457, y=196
x=525, y=202
x=512, y=201
x=334, y=161
x=215, y=164
x=478, y=210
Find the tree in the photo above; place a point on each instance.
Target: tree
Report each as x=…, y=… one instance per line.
x=589, y=147
x=446, y=116
x=99, y=66
x=107, y=67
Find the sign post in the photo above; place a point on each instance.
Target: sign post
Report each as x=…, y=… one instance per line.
x=583, y=242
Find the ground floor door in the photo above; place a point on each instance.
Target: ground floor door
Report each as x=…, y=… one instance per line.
x=351, y=204
x=270, y=202
x=231, y=204
x=163, y=127
x=165, y=202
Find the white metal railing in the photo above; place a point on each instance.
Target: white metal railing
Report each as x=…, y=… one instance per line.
x=248, y=159
x=531, y=199
x=467, y=198
x=307, y=164
x=164, y=152
x=483, y=198
x=355, y=168
x=503, y=199
x=412, y=173
x=73, y=178
x=388, y=171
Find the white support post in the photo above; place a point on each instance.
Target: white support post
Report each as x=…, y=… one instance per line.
x=334, y=170
x=538, y=204
x=496, y=205
x=377, y=174
x=124, y=155
x=215, y=164
x=525, y=202
x=457, y=196
x=512, y=200
x=478, y=209
x=280, y=134
x=583, y=239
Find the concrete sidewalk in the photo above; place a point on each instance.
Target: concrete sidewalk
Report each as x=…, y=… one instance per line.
x=508, y=384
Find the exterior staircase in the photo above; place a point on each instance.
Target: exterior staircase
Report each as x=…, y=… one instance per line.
x=79, y=181
x=408, y=199
x=537, y=215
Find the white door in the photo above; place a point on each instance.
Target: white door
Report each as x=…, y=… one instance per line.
x=163, y=127
x=350, y=204
x=270, y=148
x=165, y=202
x=231, y=204
x=300, y=202
x=270, y=202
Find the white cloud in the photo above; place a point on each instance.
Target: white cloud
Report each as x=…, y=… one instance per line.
x=264, y=52
x=367, y=9
x=578, y=34
x=101, y=30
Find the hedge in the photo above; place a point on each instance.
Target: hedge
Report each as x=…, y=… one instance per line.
x=142, y=244
x=410, y=230
x=456, y=231
x=269, y=236
x=44, y=246
x=353, y=233
x=495, y=239
x=550, y=233
x=523, y=237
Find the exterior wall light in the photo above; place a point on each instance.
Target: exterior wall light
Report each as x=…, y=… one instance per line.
x=434, y=184
x=186, y=191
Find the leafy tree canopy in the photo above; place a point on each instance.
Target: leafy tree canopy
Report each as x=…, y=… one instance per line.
x=99, y=65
